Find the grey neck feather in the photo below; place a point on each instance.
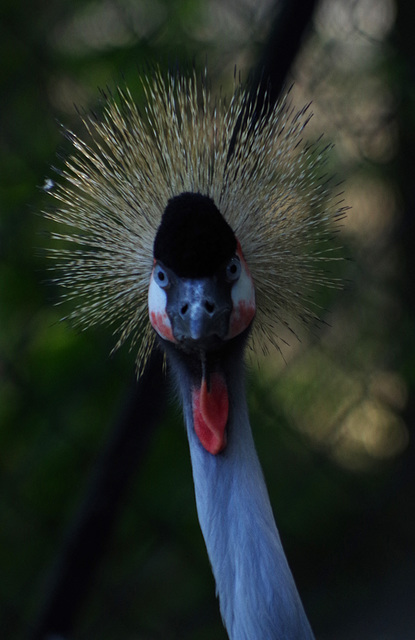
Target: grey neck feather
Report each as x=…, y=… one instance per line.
x=257, y=594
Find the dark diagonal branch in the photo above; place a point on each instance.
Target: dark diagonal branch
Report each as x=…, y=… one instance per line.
x=292, y=19
x=87, y=538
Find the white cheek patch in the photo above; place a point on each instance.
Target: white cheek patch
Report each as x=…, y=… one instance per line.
x=157, y=302
x=243, y=300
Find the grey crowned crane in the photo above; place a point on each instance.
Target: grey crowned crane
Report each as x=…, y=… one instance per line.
x=201, y=225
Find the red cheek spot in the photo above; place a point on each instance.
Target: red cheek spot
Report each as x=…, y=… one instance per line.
x=161, y=324
x=241, y=317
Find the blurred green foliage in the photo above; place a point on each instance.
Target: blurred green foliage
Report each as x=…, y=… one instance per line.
x=341, y=509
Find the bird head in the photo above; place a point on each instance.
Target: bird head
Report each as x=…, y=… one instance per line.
x=201, y=293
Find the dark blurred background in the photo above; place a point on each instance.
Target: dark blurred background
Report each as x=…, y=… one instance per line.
x=333, y=419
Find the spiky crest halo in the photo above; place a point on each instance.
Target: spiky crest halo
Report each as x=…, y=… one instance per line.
x=113, y=191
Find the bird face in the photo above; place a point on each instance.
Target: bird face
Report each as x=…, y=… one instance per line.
x=201, y=296
x=201, y=293
x=201, y=314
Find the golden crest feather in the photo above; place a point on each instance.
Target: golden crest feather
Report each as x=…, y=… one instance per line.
x=266, y=181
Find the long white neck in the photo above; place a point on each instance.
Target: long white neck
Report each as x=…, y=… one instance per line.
x=257, y=594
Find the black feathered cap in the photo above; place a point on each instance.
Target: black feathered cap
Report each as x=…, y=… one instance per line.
x=193, y=239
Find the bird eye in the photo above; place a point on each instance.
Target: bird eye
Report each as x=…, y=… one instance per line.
x=233, y=269
x=161, y=277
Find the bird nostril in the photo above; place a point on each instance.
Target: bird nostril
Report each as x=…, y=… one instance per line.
x=184, y=309
x=209, y=306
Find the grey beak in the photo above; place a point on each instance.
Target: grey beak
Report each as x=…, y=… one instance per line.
x=199, y=310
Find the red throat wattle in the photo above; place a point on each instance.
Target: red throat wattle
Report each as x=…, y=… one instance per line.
x=210, y=412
